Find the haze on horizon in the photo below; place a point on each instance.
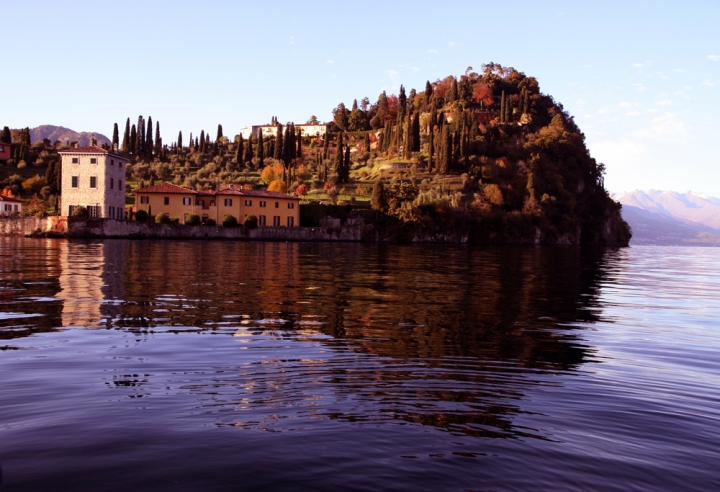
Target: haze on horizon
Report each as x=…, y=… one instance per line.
x=642, y=79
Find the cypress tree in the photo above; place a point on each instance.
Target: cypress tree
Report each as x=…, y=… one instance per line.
x=202, y=142
x=133, y=140
x=116, y=136
x=261, y=148
x=287, y=145
x=431, y=148
x=158, y=140
x=402, y=104
x=219, y=133
x=508, y=108
x=278, y=151
x=299, y=145
x=149, y=138
x=416, y=132
x=326, y=140
x=239, y=150
x=428, y=92
x=248, y=153
x=179, y=142
x=408, y=143
x=140, y=142
x=502, y=107
x=339, y=154
x=126, y=137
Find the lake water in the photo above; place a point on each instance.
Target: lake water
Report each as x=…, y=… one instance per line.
x=159, y=365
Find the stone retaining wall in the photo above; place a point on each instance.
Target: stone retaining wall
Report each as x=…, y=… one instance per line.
x=110, y=228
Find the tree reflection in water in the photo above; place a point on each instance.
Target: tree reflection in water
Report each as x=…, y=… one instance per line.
x=445, y=336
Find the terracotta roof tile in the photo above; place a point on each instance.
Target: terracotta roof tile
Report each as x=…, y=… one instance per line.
x=165, y=188
x=8, y=199
x=92, y=149
x=171, y=188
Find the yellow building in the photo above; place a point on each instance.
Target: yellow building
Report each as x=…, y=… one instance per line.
x=270, y=208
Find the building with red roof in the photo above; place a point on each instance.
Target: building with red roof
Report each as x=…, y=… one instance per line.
x=270, y=208
x=10, y=206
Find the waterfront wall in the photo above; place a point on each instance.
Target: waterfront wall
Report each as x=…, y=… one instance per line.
x=109, y=228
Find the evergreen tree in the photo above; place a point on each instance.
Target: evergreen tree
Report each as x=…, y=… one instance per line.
x=345, y=177
x=431, y=149
x=219, y=133
x=179, y=142
x=149, y=139
x=140, y=142
x=339, y=154
x=202, y=141
x=261, y=148
x=416, y=132
x=508, y=108
x=197, y=145
x=126, y=137
x=326, y=141
x=278, y=151
x=158, y=140
x=402, y=104
x=239, y=150
x=287, y=145
x=248, y=156
x=378, y=199
x=115, y=136
x=341, y=117
x=454, y=93
x=133, y=140
x=428, y=92
x=5, y=136
x=502, y=107
x=299, y=145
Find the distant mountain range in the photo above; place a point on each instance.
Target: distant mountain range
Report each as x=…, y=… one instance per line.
x=671, y=218
x=65, y=135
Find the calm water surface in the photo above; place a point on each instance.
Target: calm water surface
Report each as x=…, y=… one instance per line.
x=143, y=365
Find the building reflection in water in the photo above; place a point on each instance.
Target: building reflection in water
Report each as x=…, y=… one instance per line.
x=91, y=282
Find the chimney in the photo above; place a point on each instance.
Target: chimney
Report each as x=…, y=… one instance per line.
x=75, y=145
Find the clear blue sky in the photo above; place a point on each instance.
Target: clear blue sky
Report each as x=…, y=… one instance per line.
x=641, y=78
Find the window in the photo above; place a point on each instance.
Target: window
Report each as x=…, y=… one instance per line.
x=2, y=148
x=228, y=202
x=186, y=201
x=75, y=181
x=248, y=203
x=112, y=162
x=291, y=205
x=120, y=184
x=93, y=181
x=291, y=221
x=75, y=160
x=166, y=200
x=144, y=199
x=93, y=211
x=93, y=160
x=276, y=221
x=261, y=220
x=112, y=183
x=201, y=203
x=277, y=204
x=119, y=163
x=263, y=203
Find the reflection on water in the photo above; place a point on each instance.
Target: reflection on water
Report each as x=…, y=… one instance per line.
x=449, y=347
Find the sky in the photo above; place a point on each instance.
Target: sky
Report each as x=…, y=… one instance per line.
x=641, y=78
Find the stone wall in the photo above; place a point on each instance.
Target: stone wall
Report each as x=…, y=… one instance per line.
x=108, y=228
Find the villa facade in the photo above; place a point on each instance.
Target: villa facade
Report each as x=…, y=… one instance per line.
x=94, y=178
x=10, y=206
x=270, y=208
x=307, y=130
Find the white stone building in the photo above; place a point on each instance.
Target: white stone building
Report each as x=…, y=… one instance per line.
x=94, y=178
x=307, y=129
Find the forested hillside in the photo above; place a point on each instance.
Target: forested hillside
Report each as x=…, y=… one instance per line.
x=485, y=157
